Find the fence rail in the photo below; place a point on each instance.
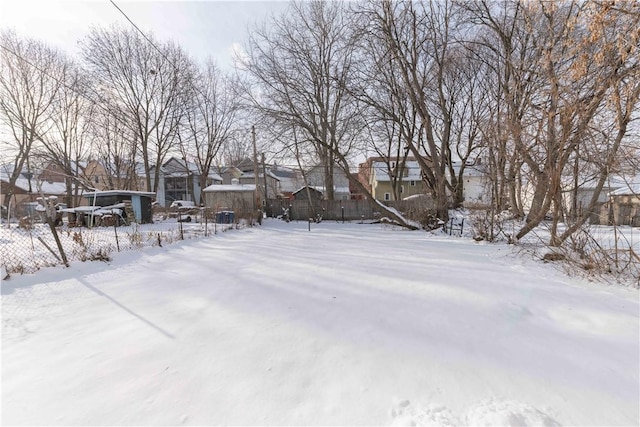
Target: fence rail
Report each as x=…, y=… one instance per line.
x=28, y=246
x=28, y=249
x=346, y=210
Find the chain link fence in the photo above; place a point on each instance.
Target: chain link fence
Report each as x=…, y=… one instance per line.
x=27, y=249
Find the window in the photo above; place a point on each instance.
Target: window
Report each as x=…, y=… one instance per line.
x=401, y=189
x=96, y=179
x=412, y=183
x=387, y=196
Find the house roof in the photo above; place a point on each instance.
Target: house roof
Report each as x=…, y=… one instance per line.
x=118, y=193
x=214, y=176
x=219, y=188
x=322, y=189
x=628, y=189
x=381, y=172
x=471, y=169
x=281, y=172
x=289, y=185
x=612, y=183
x=36, y=186
x=260, y=175
x=304, y=189
x=245, y=164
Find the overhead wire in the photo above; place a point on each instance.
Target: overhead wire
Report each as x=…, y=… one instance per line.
x=110, y=111
x=100, y=105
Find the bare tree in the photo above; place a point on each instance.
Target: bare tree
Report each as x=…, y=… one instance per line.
x=209, y=119
x=418, y=39
x=147, y=81
x=29, y=84
x=617, y=61
x=115, y=148
x=559, y=66
x=67, y=144
x=302, y=65
x=392, y=121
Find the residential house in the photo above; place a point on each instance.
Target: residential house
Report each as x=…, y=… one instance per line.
x=624, y=204
x=290, y=180
x=476, y=185
x=316, y=179
x=244, y=172
x=96, y=175
x=579, y=198
x=180, y=180
x=52, y=172
x=25, y=192
x=229, y=174
x=380, y=174
x=272, y=182
x=125, y=176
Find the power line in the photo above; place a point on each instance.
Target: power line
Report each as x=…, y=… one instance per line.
x=100, y=105
x=143, y=34
x=164, y=55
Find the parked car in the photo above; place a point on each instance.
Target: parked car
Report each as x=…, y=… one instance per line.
x=182, y=204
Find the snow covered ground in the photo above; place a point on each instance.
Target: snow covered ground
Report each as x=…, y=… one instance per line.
x=349, y=324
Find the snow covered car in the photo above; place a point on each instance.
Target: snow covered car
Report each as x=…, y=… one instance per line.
x=182, y=204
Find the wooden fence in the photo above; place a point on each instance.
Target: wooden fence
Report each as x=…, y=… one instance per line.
x=346, y=210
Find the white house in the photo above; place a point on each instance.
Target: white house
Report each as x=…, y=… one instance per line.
x=180, y=180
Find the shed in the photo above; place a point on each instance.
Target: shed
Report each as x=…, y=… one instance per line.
x=140, y=202
x=301, y=194
x=624, y=205
x=241, y=198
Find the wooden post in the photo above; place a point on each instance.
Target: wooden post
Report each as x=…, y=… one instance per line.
x=115, y=230
x=57, y=239
x=264, y=177
x=255, y=173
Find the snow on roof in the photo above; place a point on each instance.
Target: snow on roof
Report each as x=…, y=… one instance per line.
x=312, y=188
x=590, y=183
x=412, y=168
x=281, y=172
x=260, y=175
x=322, y=189
x=118, y=193
x=218, y=188
x=629, y=189
x=36, y=187
x=417, y=197
x=214, y=176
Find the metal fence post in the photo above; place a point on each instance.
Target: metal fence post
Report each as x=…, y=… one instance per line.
x=115, y=230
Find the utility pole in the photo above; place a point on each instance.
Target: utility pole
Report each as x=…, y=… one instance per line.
x=255, y=173
x=264, y=176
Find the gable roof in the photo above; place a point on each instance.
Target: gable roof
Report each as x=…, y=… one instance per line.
x=304, y=188
x=54, y=188
x=381, y=171
x=219, y=188
x=631, y=187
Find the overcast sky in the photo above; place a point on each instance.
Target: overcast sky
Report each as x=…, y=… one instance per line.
x=203, y=28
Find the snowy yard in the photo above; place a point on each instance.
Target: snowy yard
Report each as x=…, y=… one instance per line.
x=348, y=324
